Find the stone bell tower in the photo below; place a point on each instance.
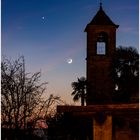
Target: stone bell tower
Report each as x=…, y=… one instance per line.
x=101, y=44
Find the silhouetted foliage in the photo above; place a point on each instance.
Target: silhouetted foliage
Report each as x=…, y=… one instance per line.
x=67, y=127
x=79, y=90
x=125, y=74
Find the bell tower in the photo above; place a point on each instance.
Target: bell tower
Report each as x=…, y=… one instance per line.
x=101, y=44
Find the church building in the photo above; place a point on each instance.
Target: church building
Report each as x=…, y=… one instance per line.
x=101, y=45
x=102, y=119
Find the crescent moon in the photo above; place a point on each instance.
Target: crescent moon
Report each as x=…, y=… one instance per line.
x=69, y=61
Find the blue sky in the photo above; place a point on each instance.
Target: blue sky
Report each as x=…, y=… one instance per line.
x=48, y=32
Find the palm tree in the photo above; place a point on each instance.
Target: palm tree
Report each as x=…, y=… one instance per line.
x=125, y=73
x=79, y=90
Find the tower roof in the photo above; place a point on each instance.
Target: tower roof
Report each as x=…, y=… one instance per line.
x=101, y=18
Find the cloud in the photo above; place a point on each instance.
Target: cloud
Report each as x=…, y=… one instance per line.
x=125, y=7
x=130, y=30
x=19, y=27
x=127, y=29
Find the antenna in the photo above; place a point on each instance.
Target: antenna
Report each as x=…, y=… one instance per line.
x=100, y=1
x=100, y=4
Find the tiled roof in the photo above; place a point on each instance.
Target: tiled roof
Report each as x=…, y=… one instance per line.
x=102, y=19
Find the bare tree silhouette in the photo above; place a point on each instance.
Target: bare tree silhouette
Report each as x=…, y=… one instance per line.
x=22, y=96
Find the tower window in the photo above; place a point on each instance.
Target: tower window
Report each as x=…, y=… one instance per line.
x=101, y=48
x=101, y=43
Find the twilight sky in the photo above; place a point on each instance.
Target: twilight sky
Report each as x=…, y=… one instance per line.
x=49, y=32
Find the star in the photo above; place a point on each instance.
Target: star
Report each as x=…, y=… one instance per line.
x=43, y=18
